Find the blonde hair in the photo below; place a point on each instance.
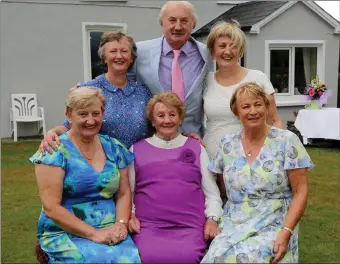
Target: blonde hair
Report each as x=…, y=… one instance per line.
x=83, y=97
x=231, y=30
x=116, y=36
x=169, y=99
x=186, y=4
x=253, y=90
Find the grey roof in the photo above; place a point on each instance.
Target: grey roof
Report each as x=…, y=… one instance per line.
x=247, y=14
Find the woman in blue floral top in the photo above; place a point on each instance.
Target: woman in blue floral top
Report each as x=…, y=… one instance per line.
x=124, y=116
x=80, y=222
x=264, y=170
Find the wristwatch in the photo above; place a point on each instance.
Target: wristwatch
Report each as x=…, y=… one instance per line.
x=215, y=218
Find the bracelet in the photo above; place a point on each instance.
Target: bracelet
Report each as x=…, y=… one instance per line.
x=121, y=221
x=288, y=229
x=214, y=218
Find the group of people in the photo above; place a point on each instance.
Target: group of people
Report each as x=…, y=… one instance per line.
x=134, y=176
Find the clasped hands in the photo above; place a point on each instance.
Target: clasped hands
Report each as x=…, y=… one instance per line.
x=111, y=235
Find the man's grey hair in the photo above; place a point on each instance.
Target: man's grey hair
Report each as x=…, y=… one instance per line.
x=186, y=4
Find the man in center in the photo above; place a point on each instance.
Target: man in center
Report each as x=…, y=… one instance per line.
x=176, y=62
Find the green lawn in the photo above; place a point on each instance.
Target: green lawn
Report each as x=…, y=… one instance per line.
x=319, y=228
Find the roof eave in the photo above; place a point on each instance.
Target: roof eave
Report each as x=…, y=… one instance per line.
x=255, y=29
x=245, y=29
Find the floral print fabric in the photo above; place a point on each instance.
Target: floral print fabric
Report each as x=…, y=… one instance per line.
x=125, y=110
x=259, y=196
x=88, y=194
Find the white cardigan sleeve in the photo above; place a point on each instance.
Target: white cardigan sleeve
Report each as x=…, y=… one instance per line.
x=213, y=201
x=132, y=179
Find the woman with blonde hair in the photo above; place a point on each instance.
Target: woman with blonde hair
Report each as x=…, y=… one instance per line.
x=177, y=202
x=264, y=171
x=81, y=222
x=226, y=43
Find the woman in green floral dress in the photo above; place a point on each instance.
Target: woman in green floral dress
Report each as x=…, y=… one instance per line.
x=264, y=170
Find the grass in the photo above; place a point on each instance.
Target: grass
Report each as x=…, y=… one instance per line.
x=319, y=240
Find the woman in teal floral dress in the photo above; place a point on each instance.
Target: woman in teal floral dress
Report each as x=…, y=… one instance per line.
x=80, y=221
x=265, y=175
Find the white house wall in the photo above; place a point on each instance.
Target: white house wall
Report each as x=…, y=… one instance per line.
x=297, y=23
x=42, y=51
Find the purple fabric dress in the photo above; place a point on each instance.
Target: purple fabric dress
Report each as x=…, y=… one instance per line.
x=169, y=203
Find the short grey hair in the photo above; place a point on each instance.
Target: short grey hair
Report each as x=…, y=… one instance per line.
x=116, y=36
x=83, y=97
x=186, y=4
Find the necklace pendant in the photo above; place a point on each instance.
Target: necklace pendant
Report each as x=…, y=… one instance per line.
x=249, y=154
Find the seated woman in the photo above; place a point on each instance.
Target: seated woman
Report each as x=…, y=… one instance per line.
x=80, y=222
x=177, y=202
x=265, y=173
x=124, y=116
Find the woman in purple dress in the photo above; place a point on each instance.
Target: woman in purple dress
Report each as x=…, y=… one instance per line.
x=177, y=203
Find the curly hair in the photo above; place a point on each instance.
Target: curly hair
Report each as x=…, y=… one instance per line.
x=116, y=36
x=169, y=99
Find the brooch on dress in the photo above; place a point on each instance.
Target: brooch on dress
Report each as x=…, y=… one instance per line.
x=188, y=156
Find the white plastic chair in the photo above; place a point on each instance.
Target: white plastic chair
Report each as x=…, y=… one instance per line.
x=25, y=109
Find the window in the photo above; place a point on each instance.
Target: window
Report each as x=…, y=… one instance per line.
x=92, y=32
x=305, y=68
x=279, y=69
x=97, y=66
x=291, y=65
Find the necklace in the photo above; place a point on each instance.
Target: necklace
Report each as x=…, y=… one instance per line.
x=249, y=153
x=86, y=157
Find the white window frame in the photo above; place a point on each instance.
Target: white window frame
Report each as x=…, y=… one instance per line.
x=289, y=99
x=88, y=27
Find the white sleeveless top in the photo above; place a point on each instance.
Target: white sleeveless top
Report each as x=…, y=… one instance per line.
x=220, y=120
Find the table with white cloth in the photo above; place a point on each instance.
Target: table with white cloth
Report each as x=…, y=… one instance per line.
x=320, y=123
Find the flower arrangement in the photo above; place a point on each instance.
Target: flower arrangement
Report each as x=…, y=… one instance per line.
x=316, y=94
x=316, y=89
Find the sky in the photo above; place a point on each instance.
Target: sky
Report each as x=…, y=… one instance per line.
x=332, y=7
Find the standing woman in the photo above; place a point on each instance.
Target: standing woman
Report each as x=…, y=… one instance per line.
x=124, y=116
x=226, y=42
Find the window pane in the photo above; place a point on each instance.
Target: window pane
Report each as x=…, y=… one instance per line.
x=97, y=66
x=305, y=68
x=279, y=70
x=242, y=61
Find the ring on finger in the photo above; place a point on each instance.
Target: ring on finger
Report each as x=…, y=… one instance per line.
x=111, y=243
